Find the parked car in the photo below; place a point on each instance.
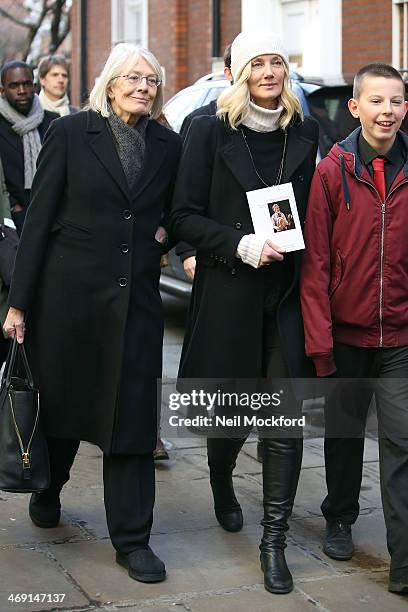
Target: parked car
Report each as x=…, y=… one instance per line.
x=326, y=103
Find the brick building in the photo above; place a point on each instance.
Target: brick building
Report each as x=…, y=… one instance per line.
x=187, y=36
x=329, y=39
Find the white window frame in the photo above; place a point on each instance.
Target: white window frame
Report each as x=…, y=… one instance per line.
x=119, y=10
x=396, y=40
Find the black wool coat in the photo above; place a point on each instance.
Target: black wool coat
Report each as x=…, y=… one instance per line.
x=12, y=156
x=87, y=272
x=224, y=335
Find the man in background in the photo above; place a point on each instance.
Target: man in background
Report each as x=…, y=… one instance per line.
x=23, y=124
x=53, y=72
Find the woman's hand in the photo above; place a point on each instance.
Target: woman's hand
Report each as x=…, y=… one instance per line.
x=189, y=265
x=14, y=324
x=270, y=252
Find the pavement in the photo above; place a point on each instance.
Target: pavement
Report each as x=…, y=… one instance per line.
x=208, y=569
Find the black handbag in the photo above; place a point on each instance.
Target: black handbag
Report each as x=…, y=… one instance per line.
x=8, y=249
x=24, y=464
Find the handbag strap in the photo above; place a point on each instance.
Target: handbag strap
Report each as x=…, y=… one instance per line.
x=10, y=363
x=27, y=369
x=15, y=349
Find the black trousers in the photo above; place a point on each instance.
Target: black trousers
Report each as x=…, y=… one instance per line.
x=385, y=374
x=223, y=451
x=129, y=491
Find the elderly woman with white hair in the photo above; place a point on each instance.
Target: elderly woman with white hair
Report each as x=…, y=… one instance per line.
x=245, y=320
x=86, y=281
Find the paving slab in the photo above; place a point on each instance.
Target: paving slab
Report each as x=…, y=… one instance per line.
x=208, y=568
x=36, y=571
x=360, y=592
x=192, y=463
x=16, y=529
x=239, y=600
x=189, y=506
x=205, y=561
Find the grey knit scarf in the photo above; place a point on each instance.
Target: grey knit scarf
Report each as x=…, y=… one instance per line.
x=130, y=145
x=26, y=128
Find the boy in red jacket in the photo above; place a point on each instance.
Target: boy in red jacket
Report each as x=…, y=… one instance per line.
x=354, y=292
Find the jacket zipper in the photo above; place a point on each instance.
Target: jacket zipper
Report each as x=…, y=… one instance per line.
x=382, y=241
x=381, y=270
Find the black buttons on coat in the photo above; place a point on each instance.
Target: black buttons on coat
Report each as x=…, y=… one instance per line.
x=238, y=225
x=127, y=214
x=124, y=248
x=122, y=282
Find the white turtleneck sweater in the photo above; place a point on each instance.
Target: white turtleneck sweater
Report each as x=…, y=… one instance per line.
x=259, y=119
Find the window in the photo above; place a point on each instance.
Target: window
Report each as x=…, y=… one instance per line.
x=129, y=21
x=400, y=35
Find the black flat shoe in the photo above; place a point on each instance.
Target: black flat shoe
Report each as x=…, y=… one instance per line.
x=43, y=513
x=160, y=452
x=398, y=587
x=338, y=543
x=277, y=577
x=398, y=582
x=142, y=565
x=230, y=521
x=227, y=509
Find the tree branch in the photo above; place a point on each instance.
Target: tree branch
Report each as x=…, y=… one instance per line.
x=64, y=33
x=14, y=19
x=57, y=8
x=33, y=29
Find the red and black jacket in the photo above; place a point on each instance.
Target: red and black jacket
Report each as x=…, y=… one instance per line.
x=354, y=280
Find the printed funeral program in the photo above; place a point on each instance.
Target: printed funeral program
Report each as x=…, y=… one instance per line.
x=274, y=215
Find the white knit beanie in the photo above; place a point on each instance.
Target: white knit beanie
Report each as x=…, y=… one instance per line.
x=247, y=46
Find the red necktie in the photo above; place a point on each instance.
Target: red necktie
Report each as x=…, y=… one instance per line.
x=379, y=176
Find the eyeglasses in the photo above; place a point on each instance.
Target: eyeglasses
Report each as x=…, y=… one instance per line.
x=135, y=79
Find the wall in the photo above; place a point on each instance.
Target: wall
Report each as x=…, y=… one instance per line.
x=367, y=33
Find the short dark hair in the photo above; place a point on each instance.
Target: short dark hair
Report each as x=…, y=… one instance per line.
x=227, y=56
x=11, y=66
x=49, y=61
x=378, y=70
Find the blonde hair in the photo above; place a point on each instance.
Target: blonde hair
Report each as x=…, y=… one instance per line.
x=233, y=104
x=121, y=55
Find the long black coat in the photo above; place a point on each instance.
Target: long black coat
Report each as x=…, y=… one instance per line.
x=224, y=336
x=87, y=272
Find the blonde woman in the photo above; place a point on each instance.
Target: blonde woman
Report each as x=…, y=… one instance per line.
x=245, y=317
x=87, y=274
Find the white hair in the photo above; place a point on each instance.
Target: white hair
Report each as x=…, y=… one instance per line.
x=121, y=55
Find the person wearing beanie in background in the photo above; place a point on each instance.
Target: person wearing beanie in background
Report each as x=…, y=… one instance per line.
x=244, y=319
x=53, y=72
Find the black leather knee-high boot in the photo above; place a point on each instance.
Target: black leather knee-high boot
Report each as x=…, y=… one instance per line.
x=222, y=456
x=281, y=469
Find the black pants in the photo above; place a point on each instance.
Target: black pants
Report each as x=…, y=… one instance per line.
x=129, y=491
x=387, y=370
x=222, y=452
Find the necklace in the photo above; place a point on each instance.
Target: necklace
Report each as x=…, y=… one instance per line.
x=280, y=171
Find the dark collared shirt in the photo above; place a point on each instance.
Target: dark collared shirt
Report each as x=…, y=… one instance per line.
x=394, y=159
